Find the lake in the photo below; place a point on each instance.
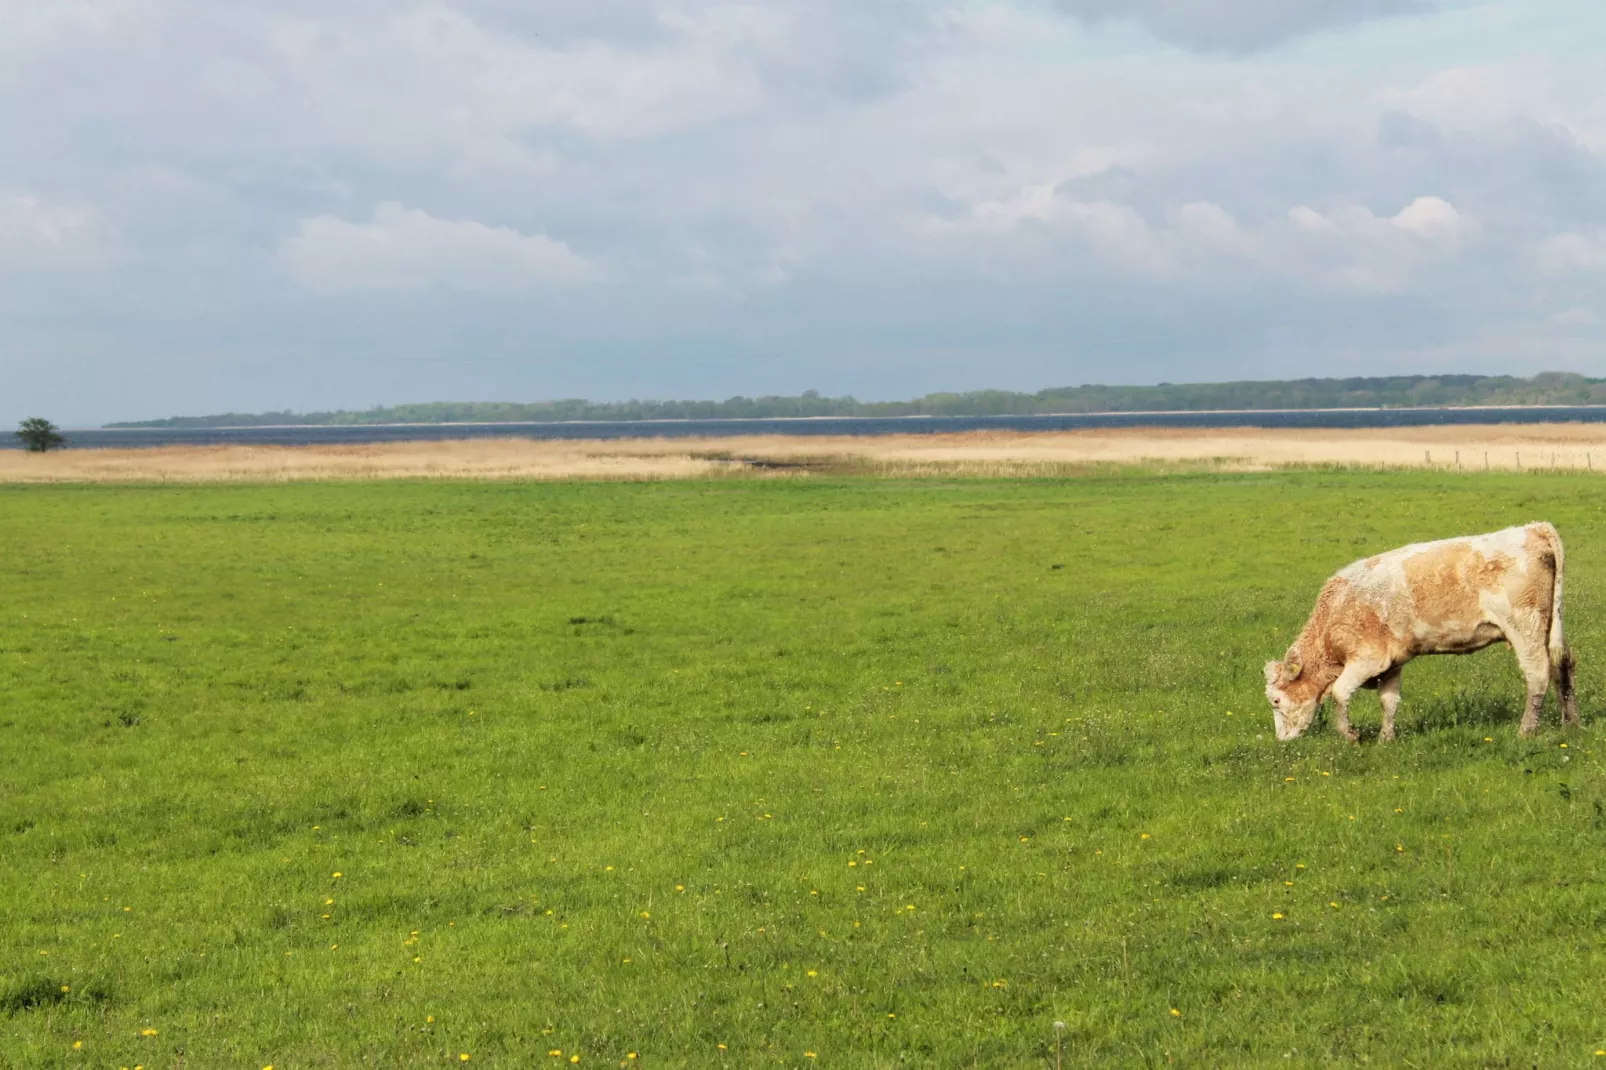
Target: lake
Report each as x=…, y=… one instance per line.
x=120, y=438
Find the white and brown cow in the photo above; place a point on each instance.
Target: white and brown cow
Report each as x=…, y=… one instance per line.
x=1448, y=597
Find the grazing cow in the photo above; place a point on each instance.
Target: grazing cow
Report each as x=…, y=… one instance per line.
x=1448, y=597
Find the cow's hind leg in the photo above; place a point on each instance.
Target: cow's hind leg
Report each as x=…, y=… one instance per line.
x=1562, y=671
x=1536, y=673
x=1388, y=691
x=1528, y=635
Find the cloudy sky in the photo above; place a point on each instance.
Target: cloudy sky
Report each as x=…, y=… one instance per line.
x=297, y=204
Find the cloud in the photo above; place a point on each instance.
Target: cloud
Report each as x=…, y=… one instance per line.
x=37, y=233
x=1237, y=25
x=27, y=220
x=407, y=249
x=1572, y=252
x=1354, y=248
x=1350, y=248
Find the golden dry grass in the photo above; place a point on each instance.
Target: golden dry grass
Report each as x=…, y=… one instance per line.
x=1505, y=447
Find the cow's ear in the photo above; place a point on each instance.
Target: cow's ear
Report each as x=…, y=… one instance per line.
x=1291, y=669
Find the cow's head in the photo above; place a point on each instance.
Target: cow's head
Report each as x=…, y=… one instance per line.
x=1294, y=697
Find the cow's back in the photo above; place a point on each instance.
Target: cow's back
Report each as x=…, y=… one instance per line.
x=1433, y=591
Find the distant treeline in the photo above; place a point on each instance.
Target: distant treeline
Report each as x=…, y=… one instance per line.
x=1393, y=392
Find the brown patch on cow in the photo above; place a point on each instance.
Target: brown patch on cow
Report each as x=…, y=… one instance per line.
x=1444, y=583
x=1539, y=580
x=1489, y=573
x=1310, y=685
x=1319, y=660
x=1343, y=627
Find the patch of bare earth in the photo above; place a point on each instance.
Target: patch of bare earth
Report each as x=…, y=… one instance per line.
x=1001, y=453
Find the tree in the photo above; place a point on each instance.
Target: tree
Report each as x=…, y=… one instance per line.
x=39, y=435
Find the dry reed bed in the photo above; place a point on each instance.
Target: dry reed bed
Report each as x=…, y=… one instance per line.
x=997, y=453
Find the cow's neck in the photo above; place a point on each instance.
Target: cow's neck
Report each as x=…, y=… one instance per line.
x=1316, y=661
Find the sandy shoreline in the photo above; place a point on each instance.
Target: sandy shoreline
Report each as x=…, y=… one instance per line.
x=1467, y=447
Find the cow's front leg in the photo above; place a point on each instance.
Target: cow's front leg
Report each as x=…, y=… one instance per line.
x=1388, y=692
x=1341, y=719
x=1349, y=681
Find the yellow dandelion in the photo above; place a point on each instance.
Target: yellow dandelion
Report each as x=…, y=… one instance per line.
x=429, y=1018
x=1175, y=1013
x=1276, y=917
x=814, y=973
x=575, y=1057
x=556, y=1053
x=808, y=1055
x=77, y=1045
x=1143, y=836
x=464, y=1057
x=680, y=887
x=66, y=988
x=1333, y=905
x=337, y=875
x=147, y=1032
x=645, y=914
x=721, y=1047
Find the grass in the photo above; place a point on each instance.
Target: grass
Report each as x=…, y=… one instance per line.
x=784, y=772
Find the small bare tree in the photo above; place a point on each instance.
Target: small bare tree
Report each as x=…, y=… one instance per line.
x=39, y=435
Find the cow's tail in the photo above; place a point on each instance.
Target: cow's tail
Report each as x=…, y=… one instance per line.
x=1558, y=640
x=1561, y=658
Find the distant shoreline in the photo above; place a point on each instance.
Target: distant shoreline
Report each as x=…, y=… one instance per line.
x=1121, y=413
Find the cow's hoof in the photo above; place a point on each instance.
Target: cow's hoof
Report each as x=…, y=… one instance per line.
x=1386, y=737
x=1351, y=735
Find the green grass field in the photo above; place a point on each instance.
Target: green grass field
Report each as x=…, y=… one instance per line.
x=791, y=772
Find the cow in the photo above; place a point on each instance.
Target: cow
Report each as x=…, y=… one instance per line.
x=1453, y=596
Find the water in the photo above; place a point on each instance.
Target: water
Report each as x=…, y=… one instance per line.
x=843, y=425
